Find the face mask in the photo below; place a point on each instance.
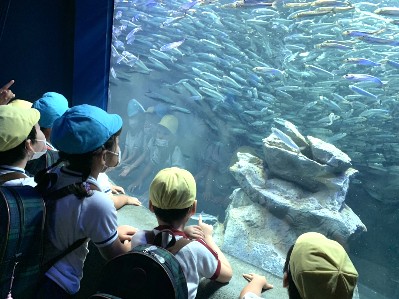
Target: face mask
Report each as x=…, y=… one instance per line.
x=115, y=154
x=161, y=142
x=37, y=155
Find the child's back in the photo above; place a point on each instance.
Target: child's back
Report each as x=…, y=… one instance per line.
x=172, y=199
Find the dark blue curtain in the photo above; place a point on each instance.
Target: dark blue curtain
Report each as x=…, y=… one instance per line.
x=61, y=46
x=93, y=33
x=36, y=46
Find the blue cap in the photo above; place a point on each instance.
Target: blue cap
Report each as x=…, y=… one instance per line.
x=83, y=129
x=134, y=107
x=51, y=106
x=161, y=109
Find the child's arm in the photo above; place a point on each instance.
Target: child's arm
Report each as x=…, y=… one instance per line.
x=137, y=183
x=127, y=169
x=131, y=157
x=226, y=272
x=194, y=232
x=256, y=284
x=124, y=154
x=121, y=200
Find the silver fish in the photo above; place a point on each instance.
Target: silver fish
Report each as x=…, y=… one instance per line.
x=286, y=139
x=205, y=217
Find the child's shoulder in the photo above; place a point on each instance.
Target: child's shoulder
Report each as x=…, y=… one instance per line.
x=200, y=248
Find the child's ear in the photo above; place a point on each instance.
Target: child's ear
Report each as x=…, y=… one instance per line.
x=193, y=208
x=151, y=207
x=104, y=155
x=28, y=145
x=285, y=280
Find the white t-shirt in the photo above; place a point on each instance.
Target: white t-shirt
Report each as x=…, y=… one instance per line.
x=93, y=217
x=196, y=259
x=251, y=295
x=134, y=141
x=104, y=183
x=27, y=181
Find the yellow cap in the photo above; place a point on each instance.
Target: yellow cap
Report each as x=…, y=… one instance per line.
x=21, y=104
x=170, y=122
x=150, y=109
x=15, y=125
x=173, y=188
x=321, y=268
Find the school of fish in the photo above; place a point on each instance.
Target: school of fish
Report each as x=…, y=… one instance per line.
x=330, y=67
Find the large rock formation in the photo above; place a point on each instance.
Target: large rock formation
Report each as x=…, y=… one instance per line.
x=293, y=194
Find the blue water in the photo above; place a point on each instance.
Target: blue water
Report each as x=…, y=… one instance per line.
x=237, y=70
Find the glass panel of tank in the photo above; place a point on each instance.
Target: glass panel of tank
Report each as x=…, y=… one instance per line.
x=285, y=112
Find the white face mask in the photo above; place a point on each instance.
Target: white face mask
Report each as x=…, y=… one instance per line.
x=37, y=155
x=161, y=142
x=115, y=154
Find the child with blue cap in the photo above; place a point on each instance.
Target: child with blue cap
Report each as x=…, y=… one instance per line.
x=87, y=138
x=51, y=106
x=135, y=136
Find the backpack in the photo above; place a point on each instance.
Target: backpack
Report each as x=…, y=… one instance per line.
x=22, y=215
x=147, y=271
x=23, y=241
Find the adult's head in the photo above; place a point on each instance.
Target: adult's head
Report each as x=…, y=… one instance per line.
x=172, y=194
x=20, y=135
x=319, y=267
x=51, y=106
x=87, y=137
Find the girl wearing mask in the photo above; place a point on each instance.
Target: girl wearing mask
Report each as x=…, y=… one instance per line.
x=87, y=138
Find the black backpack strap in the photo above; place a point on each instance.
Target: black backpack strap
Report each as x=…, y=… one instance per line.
x=179, y=245
x=166, y=239
x=149, y=236
x=64, y=191
x=57, y=194
x=53, y=196
x=55, y=259
x=11, y=176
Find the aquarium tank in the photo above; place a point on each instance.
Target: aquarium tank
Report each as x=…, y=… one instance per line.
x=286, y=113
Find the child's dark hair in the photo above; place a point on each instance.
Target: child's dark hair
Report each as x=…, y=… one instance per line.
x=292, y=289
x=77, y=162
x=19, y=152
x=171, y=215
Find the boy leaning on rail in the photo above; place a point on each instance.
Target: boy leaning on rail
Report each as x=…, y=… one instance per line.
x=173, y=200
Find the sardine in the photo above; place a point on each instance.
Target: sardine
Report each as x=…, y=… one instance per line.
x=286, y=140
x=171, y=46
x=205, y=217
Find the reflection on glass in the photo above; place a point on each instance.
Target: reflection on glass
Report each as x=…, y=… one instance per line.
x=198, y=82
